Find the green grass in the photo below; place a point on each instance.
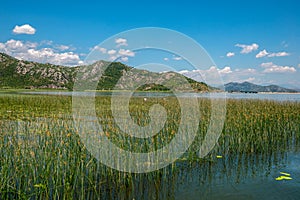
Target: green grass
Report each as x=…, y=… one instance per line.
x=42, y=156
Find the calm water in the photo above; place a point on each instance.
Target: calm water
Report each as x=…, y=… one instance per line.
x=262, y=96
x=230, y=180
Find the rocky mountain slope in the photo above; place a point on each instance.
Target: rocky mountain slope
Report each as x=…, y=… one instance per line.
x=16, y=73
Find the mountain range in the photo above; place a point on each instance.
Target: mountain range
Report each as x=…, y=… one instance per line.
x=23, y=74
x=248, y=87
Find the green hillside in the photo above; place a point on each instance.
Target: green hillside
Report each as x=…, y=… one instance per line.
x=22, y=74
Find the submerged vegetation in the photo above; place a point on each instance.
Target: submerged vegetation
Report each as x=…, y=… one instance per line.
x=42, y=156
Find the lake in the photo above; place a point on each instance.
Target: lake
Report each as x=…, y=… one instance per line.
x=261, y=96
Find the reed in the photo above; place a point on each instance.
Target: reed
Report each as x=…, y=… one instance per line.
x=42, y=156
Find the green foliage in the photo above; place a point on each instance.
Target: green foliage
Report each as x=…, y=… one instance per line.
x=28, y=75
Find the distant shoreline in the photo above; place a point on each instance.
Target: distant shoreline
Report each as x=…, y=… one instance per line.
x=139, y=91
x=264, y=93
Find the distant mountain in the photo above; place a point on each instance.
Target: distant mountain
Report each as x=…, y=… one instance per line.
x=16, y=73
x=250, y=87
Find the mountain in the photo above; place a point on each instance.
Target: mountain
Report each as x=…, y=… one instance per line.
x=250, y=87
x=16, y=73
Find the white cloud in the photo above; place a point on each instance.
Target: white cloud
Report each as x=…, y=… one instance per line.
x=265, y=53
x=113, y=58
x=126, y=52
x=227, y=74
x=62, y=47
x=24, y=29
x=16, y=46
x=50, y=56
x=98, y=48
x=125, y=59
x=114, y=54
x=46, y=42
x=270, y=67
x=250, y=79
x=261, y=54
x=111, y=52
x=226, y=70
x=279, y=54
x=30, y=51
x=240, y=75
x=118, y=53
x=230, y=54
x=166, y=59
x=183, y=71
x=177, y=58
x=121, y=42
x=247, y=48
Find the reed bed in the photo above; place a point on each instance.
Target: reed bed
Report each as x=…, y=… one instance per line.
x=42, y=156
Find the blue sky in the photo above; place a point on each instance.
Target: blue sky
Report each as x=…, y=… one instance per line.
x=257, y=41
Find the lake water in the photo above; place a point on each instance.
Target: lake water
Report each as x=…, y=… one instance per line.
x=227, y=179
x=261, y=96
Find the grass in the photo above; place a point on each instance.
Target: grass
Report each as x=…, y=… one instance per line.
x=42, y=156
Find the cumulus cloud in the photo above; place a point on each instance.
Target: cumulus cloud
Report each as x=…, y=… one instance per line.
x=265, y=53
x=279, y=54
x=24, y=29
x=114, y=54
x=49, y=55
x=121, y=42
x=230, y=54
x=213, y=69
x=125, y=59
x=166, y=59
x=62, y=47
x=15, y=46
x=226, y=70
x=126, y=52
x=227, y=74
x=261, y=54
x=270, y=67
x=98, y=48
x=111, y=52
x=247, y=48
x=31, y=51
x=250, y=79
x=117, y=53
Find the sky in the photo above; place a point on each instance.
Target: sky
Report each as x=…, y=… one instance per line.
x=255, y=41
